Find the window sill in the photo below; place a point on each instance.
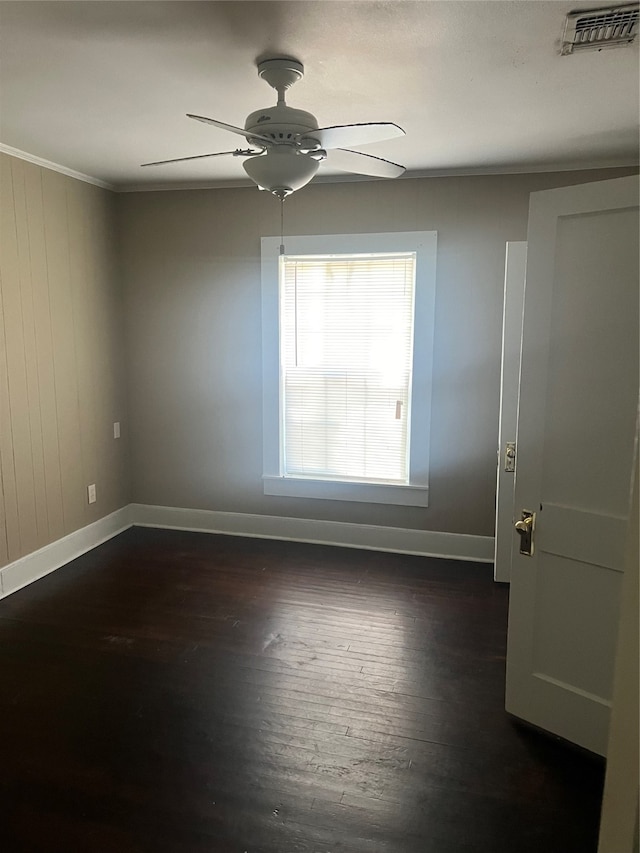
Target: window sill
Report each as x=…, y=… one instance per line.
x=336, y=490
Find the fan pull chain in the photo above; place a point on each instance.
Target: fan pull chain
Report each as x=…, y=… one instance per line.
x=282, y=226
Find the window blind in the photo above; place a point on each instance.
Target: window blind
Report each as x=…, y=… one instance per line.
x=346, y=353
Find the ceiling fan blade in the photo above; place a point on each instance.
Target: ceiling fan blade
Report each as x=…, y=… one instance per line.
x=239, y=152
x=356, y=134
x=232, y=128
x=363, y=164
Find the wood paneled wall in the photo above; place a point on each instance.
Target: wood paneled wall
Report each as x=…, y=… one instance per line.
x=61, y=358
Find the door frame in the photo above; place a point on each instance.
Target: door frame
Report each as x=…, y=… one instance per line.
x=513, y=304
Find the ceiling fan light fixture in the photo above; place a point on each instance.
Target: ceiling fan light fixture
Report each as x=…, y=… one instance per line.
x=281, y=170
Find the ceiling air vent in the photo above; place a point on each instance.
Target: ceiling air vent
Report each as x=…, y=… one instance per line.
x=594, y=29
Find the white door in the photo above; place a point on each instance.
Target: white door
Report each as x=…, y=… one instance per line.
x=514, y=274
x=577, y=423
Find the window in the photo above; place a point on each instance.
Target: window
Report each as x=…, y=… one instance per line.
x=347, y=344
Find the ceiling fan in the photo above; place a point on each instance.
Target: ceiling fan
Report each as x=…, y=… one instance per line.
x=286, y=146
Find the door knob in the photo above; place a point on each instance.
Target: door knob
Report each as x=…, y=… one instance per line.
x=525, y=527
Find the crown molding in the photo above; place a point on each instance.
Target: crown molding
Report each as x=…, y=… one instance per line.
x=319, y=179
x=477, y=171
x=54, y=167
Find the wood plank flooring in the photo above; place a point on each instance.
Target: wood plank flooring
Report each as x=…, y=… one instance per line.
x=176, y=692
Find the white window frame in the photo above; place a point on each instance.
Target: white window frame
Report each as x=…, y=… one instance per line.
x=416, y=493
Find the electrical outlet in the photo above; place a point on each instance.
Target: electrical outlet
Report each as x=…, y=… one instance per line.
x=91, y=493
x=116, y=429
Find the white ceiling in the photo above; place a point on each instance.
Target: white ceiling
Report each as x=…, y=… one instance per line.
x=100, y=87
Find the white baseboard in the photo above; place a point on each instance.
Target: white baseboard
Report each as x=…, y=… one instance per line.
x=398, y=540
x=425, y=543
x=39, y=563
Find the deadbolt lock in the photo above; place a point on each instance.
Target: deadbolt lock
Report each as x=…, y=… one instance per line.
x=525, y=527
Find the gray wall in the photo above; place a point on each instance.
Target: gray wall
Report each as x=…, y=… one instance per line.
x=62, y=371
x=191, y=265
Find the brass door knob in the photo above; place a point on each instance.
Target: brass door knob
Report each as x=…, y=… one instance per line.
x=525, y=527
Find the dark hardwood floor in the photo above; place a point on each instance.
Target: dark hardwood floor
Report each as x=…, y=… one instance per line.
x=180, y=693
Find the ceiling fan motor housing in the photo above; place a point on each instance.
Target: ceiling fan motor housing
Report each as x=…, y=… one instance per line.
x=281, y=123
